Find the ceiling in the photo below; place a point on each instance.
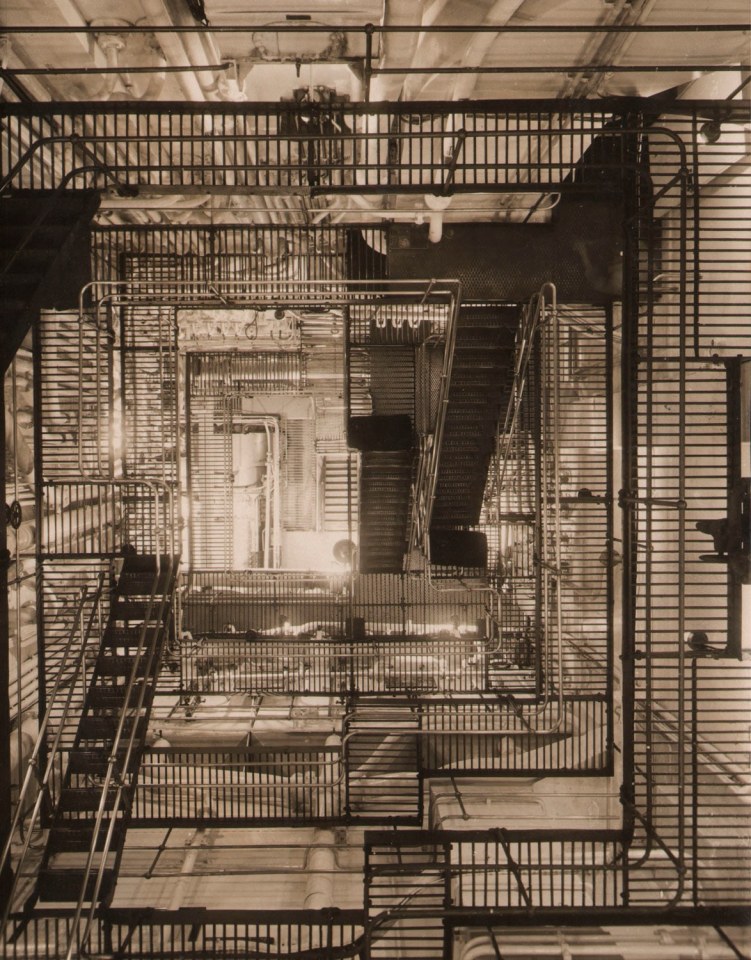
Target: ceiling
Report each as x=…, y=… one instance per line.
x=232, y=51
x=253, y=60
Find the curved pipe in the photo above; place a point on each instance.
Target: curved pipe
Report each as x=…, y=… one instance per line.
x=174, y=51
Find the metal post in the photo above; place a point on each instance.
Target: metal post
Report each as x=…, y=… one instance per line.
x=5, y=807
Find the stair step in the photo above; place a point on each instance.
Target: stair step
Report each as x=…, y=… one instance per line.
x=84, y=799
x=119, y=665
x=94, y=762
x=146, y=562
x=126, y=637
x=77, y=836
x=135, y=583
x=137, y=610
x=112, y=698
x=104, y=728
x=65, y=885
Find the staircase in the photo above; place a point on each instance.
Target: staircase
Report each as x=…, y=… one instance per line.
x=121, y=688
x=44, y=257
x=478, y=393
x=382, y=753
x=385, y=482
x=404, y=876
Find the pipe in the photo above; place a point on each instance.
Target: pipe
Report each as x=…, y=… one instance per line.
x=5, y=52
x=173, y=49
x=435, y=218
x=112, y=45
x=321, y=862
x=487, y=949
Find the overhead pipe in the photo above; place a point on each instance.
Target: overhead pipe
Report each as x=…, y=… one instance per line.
x=502, y=12
x=486, y=947
x=112, y=46
x=173, y=49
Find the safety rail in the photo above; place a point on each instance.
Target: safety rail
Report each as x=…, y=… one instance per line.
x=123, y=744
x=342, y=148
x=49, y=753
x=132, y=934
x=487, y=738
x=539, y=347
x=239, y=785
x=239, y=662
x=265, y=293
x=430, y=445
x=492, y=870
x=498, y=735
x=87, y=517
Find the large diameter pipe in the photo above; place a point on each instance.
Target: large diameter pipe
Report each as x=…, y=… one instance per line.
x=173, y=50
x=321, y=864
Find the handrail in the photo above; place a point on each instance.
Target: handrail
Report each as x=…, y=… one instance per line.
x=32, y=765
x=423, y=501
x=537, y=319
x=148, y=625
x=337, y=761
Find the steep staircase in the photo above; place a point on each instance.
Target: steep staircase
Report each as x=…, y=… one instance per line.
x=386, y=474
x=104, y=761
x=44, y=257
x=385, y=482
x=478, y=392
x=382, y=754
x=406, y=878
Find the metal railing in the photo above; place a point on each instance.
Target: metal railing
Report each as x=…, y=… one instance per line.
x=234, y=663
x=430, y=445
x=269, y=786
x=441, y=147
x=128, y=934
x=86, y=517
x=492, y=870
x=124, y=744
x=47, y=754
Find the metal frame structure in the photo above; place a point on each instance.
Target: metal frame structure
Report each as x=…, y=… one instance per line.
x=670, y=361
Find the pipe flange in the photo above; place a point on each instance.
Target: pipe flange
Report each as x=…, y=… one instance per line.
x=14, y=514
x=109, y=38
